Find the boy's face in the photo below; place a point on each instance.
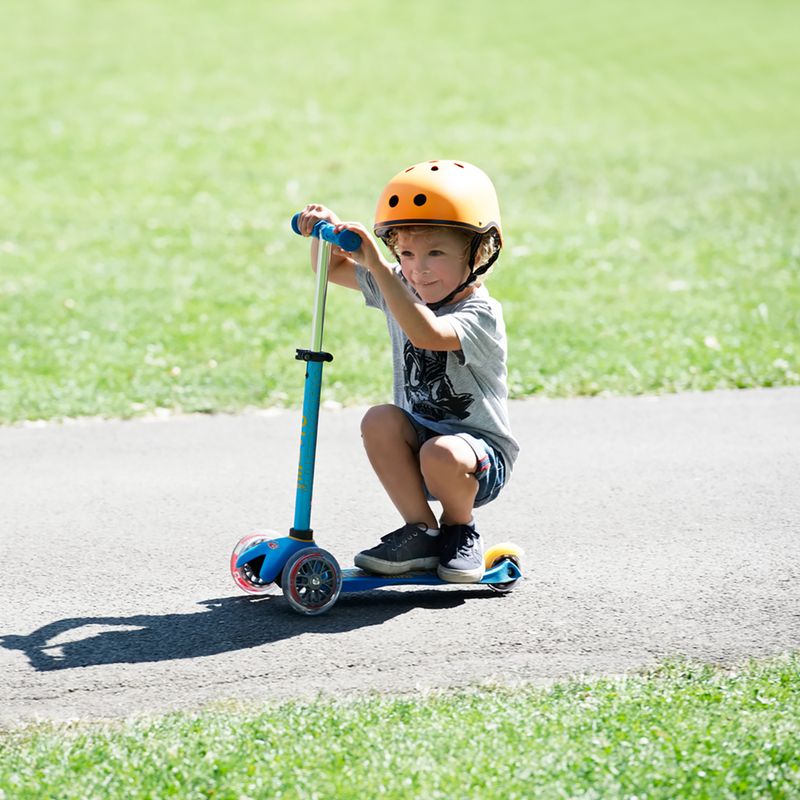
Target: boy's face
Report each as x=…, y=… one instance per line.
x=434, y=262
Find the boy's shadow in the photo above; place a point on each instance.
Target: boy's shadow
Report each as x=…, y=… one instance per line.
x=228, y=624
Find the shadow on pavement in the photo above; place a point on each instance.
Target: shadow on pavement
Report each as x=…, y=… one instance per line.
x=228, y=624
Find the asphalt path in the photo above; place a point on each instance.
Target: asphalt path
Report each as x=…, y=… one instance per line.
x=654, y=528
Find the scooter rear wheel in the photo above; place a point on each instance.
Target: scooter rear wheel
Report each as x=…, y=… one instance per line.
x=311, y=581
x=496, y=555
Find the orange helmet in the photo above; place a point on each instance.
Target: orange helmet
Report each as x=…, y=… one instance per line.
x=449, y=193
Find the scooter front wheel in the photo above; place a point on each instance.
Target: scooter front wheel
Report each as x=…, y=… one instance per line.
x=311, y=581
x=246, y=577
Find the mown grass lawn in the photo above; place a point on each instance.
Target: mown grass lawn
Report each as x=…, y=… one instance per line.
x=646, y=157
x=683, y=731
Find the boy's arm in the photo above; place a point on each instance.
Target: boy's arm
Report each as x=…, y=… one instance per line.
x=424, y=329
x=342, y=268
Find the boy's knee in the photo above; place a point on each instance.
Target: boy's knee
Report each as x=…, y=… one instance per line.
x=443, y=454
x=380, y=422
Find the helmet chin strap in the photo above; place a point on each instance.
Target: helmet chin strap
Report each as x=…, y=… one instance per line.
x=474, y=274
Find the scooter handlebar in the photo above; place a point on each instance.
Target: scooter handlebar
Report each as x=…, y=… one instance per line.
x=347, y=240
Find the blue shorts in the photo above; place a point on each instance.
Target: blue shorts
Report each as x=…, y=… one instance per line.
x=491, y=469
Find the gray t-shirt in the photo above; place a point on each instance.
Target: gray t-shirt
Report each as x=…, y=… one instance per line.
x=458, y=391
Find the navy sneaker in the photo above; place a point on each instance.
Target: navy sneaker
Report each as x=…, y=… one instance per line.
x=462, y=554
x=407, y=548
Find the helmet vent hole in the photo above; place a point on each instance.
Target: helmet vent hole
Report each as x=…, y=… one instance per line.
x=434, y=169
x=409, y=169
x=420, y=200
x=460, y=165
x=393, y=200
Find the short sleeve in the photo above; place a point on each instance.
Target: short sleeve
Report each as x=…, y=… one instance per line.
x=480, y=332
x=372, y=295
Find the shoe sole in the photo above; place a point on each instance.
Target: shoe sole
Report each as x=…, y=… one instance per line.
x=460, y=575
x=394, y=567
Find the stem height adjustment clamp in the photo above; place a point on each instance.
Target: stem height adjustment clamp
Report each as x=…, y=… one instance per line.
x=312, y=355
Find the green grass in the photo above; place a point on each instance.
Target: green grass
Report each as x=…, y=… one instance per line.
x=646, y=156
x=683, y=731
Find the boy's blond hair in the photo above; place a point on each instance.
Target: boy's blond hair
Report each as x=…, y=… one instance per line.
x=488, y=246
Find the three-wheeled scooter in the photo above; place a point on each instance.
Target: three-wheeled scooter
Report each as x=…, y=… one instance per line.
x=310, y=577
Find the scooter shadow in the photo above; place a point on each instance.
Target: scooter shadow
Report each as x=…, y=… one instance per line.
x=228, y=624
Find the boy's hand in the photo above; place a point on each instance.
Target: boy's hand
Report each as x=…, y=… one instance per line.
x=311, y=215
x=368, y=254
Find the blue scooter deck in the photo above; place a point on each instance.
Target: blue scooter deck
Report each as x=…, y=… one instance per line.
x=357, y=580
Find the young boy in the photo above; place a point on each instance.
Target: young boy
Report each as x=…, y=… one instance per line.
x=446, y=437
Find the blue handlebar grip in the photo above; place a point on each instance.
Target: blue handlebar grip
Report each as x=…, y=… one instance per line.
x=347, y=240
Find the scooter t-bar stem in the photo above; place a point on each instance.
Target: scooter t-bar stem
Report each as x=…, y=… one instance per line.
x=320, y=293
x=314, y=359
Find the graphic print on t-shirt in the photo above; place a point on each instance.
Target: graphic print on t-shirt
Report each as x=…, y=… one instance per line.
x=429, y=391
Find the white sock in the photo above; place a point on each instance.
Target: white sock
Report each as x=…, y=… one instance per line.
x=432, y=531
